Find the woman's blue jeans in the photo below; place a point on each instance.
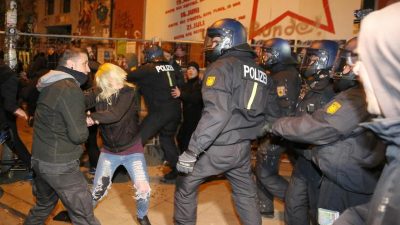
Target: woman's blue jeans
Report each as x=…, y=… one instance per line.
x=135, y=164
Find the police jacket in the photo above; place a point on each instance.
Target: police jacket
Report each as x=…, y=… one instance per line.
x=155, y=81
x=235, y=93
x=288, y=84
x=314, y=96
x=347, y=154
x=118, y=118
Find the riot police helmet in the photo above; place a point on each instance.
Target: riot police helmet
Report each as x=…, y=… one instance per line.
x=274, y=51
x=342, y=72
x=222, y=35
x=153, y=53
x=319, y=57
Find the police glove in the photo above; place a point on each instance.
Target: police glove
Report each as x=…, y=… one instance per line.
x=266, y=129
x=186, y=162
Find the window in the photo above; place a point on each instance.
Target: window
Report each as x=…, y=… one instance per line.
x=66, y=6
x=50, y=7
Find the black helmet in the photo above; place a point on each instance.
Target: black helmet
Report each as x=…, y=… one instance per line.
x=153, y=53
x=231, y=32
x=342, y=73
x=276, y=50
x=320, y=56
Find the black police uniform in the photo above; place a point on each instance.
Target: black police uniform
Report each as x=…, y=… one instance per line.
x=302, y=193
x=350, y=157
x=287, y=83
x=155, y=81
x=235, y=95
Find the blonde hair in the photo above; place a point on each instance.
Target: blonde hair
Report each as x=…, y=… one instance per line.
x=103, y=77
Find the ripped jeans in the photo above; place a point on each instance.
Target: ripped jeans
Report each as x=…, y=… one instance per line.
x=135, y=164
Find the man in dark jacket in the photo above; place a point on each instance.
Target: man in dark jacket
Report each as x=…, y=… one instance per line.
x=278, y=61
x=236, y=94
x=59, y=130
x=156, y=79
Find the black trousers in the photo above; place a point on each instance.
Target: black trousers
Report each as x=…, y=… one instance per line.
x=302, y=194
x=234, y=162
x=15, y=143
x=62, y=181
x=165, y=122
x=269, y=183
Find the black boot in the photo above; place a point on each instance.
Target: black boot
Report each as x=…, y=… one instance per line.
x=170, y=177
x=1, y=192
x=62, y=216
x=144, y=221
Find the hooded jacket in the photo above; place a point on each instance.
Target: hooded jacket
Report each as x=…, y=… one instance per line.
x=60, y=120
x=379, y=50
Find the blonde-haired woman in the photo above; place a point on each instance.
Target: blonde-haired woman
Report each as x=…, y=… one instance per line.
x=117, y=116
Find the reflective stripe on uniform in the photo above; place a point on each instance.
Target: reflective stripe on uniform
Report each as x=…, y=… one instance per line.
x=169, y=79
x=253, y=95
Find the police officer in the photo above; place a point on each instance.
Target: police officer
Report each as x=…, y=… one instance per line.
x=278, y=61
x=302, y=193
x=349, y=156
x=155, y=79
x=235, y=95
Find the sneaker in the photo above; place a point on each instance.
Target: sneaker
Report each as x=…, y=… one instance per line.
x=92, y=170
x=170, y=177
x=144, y=221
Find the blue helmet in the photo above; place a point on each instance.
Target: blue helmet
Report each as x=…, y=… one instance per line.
x=319, y=56
x=276, y=50
x=153, y=53
x=231, y=32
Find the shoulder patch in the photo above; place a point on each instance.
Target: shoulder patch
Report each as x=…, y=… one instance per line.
x=210, y=81
x=281, y=91
x=333, y=108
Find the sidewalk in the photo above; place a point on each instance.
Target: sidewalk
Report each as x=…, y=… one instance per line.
x=118, y=207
